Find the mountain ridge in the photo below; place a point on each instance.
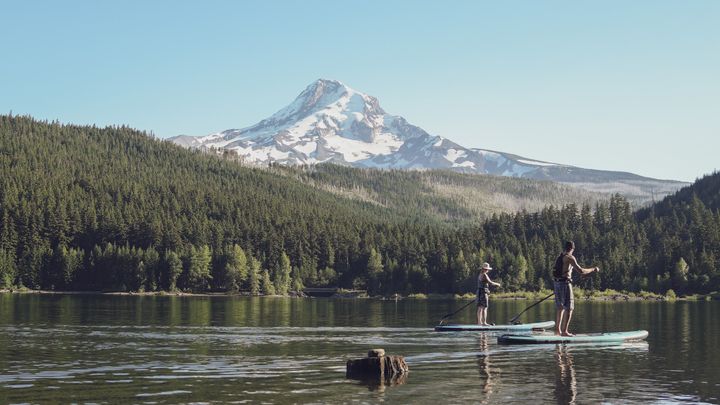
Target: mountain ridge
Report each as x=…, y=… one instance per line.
x=329, y=122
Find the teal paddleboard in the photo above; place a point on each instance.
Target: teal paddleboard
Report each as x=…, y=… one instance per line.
x=611, y=337
x=479, y=328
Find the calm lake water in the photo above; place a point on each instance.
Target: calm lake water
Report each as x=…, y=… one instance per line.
x=124, y=349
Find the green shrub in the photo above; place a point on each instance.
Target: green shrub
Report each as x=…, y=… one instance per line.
x=436, y=296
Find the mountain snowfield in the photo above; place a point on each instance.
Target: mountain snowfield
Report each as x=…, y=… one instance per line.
x=330, y=122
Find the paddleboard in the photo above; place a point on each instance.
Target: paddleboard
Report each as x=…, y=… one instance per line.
x=611, y=337
x=480, y=328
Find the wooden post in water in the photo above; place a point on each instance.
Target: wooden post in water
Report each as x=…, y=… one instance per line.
x=378, y=368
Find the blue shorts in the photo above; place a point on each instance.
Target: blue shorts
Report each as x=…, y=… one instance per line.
x=564, y=295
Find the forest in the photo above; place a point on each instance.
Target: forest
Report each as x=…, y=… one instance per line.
x=114, y=209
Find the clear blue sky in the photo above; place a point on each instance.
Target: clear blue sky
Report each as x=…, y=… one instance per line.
x=616, y=85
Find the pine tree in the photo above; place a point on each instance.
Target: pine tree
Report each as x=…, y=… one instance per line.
x=266, y=285
x=7, y=269
x=296, y=284
x=199, y=268
x=679, y=276
x=522, y=272
x=151, y=260
x=72, y=262
x=459, y=268
x=374, y=270
x=232, y=270
x=282, y=276
x=254, y=276
x=8, y=232
x=174, y=269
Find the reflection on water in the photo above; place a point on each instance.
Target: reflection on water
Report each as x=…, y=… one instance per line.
x=484, y=367
x=565, y=381
x=254, y=350
x=380, y=384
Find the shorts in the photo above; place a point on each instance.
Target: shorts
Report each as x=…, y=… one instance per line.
x=564, y=296
x=483, y=300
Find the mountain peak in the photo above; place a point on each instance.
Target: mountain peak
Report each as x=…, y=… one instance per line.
x=331, y=122
x=323, y=95
x=321, y=82
x=323, y=91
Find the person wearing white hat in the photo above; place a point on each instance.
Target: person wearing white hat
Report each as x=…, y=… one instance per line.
x=483, y=291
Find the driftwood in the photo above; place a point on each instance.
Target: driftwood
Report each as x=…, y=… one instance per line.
x=378, y=369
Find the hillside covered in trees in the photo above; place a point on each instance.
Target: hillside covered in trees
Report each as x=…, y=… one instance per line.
x=445, y=196
x=85, y=208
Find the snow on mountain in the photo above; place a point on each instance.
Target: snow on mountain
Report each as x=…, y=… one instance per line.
x=331, y=122
x=328, y=121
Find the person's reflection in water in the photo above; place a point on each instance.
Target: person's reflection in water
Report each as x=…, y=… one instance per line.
x=565, y=382
x=484, y=368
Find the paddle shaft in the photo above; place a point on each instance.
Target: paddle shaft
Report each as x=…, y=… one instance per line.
x=453, y=313
x=512, y=321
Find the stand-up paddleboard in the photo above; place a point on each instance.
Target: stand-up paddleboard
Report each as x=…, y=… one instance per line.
x=480, y=328
x=612, y=337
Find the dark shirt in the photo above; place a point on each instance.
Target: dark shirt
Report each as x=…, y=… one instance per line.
x=483, y=285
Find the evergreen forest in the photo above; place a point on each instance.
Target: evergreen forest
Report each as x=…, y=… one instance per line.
x=113, y=209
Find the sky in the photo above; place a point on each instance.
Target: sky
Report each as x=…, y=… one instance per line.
x=612, y=85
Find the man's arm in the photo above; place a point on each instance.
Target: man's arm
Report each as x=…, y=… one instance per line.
x=582, y=270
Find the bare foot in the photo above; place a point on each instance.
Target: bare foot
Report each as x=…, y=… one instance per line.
x=568, y=334
x=557, y=333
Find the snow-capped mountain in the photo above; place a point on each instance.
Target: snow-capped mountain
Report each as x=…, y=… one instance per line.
x=331, y=122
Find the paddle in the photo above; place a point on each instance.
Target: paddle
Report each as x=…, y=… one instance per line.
x=453, y=313
x=512, y=321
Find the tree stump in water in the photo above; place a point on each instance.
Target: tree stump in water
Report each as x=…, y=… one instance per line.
x=378, y=369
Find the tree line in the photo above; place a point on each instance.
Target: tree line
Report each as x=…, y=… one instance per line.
x=112, y=209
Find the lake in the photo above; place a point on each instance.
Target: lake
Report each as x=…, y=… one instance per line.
x=168, y=349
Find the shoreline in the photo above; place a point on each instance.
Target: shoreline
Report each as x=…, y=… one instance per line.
x=594, y=296
x=113, y=293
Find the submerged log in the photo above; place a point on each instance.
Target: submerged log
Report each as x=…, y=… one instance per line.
x=378, y=366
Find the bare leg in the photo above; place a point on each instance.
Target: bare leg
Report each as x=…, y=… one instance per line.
x=566, y=322
x=558, y=321
x=481, y=315
x=485, y=322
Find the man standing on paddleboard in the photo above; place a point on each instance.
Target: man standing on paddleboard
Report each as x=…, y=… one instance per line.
x=562, y=276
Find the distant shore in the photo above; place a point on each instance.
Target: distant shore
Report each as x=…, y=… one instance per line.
x=580, y=295
x=118, y=293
